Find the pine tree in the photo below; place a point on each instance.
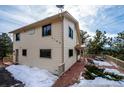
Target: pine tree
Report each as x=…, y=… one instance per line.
x=96, y=44
x=5, y=45
x=84, y=36
x=119, y=45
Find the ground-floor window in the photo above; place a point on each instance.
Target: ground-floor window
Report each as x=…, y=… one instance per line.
x=46, y=53
x=24, y=52
x=70, y=52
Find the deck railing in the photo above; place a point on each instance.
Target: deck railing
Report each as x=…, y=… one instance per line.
x=8, y=59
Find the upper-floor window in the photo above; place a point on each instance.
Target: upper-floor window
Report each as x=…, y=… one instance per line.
x=70, y=52
x=46, y=30
x=17, y=36
x=70, y=32
x=24, y=52
x=46, y=53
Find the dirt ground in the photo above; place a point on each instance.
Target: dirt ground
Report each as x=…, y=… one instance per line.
x=7, y=80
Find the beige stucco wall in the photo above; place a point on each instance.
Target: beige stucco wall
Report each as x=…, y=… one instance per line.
x=69, y=44
x=33, y=43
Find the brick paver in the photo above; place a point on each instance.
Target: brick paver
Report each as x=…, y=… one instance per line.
x=71, y=75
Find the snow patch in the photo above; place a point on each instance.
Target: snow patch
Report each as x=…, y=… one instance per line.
x=115, y=71
x=32, y=77
x=101, y=63
x=99, y=82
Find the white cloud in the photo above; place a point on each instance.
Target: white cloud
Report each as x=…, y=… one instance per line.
x=111, y=35
x=29, y=14
x=17, y=17
x=81, y=12
x=84, y=14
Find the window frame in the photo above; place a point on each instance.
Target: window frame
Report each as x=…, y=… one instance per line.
x=70, y=50
x=46, y=55
x=48, y=31
x=70, y=32
x=17, y=35
x=24, y=52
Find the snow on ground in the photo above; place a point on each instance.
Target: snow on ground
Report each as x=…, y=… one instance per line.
x=101, y=63
x=99, y=82
x=32, y=77
x=115, y=71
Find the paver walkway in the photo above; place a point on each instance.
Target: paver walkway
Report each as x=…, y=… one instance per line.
x=71, y=75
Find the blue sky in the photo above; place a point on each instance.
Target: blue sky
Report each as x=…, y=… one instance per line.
x=105, y=18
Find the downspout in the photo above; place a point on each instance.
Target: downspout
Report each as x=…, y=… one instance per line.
x=61, y=16
x=63, y=43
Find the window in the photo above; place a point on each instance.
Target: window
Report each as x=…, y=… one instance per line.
x=46, y=30
x=18, y=37
x=70, y=52
x=24, y=52
x=46, y=53
x=70, y=32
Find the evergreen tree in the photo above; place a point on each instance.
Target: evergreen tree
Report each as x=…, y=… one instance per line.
x=120, y=41
x=119, y=45
x=84, y=36
x=5, y=45
x=96, y=44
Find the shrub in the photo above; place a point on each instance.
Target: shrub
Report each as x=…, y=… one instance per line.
x=93, y=71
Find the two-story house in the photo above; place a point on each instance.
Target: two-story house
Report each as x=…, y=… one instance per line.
x=48, y=44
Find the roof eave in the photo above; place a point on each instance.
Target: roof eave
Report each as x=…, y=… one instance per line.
x=48, y=19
